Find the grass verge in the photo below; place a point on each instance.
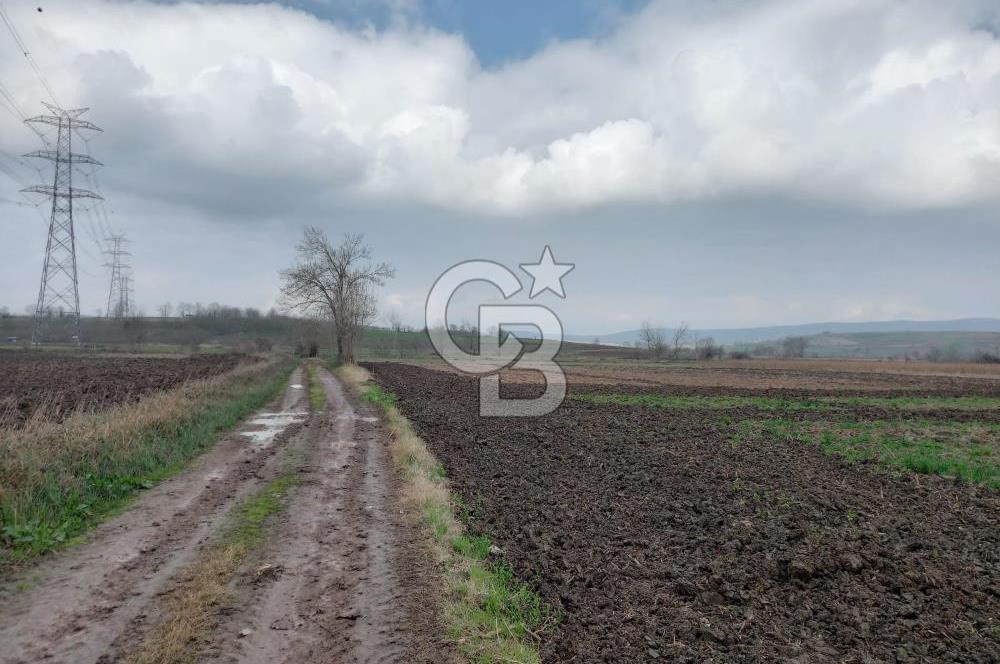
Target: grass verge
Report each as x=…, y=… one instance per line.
x=966, y=450
x=490, y=615
x=194, y=602
x=58, y=480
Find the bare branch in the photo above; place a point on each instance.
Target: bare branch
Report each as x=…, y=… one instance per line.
x=335, y=283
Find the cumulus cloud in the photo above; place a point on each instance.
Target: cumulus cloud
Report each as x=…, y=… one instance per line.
x=250, y=109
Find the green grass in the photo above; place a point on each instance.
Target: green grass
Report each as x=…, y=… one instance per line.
x=476, y=547
x=966, y=450
x=53, y=494
x=248, y=527
x=920, y=403
x=317, y=396
x=374, y=393
x=682, y=402
x=821, y=404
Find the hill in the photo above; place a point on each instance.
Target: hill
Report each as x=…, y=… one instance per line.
x=751, y=335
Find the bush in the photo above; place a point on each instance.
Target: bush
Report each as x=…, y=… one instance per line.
x=988, y=358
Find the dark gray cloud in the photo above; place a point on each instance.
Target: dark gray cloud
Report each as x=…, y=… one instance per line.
x=723, y=163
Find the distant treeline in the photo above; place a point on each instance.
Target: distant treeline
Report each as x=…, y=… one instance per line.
x=226, y=326
x=193, y=326
x=196, y=326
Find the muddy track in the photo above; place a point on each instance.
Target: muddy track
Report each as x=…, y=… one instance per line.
x=76, y=603
x=350, y=582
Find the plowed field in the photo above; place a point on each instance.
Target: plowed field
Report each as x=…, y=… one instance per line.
x=51, y=386
x=702, y=530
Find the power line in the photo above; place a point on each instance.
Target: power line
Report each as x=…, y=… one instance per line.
x=15, y=108
x=16, y=177
x=10, y=103
x=101, y=209
x=12, y=174
x=26, y=53
x=17, y=203
x=15, y=159
x=94, y=233
x=5, y=102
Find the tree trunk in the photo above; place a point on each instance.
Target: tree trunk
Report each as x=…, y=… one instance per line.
x=340, y=346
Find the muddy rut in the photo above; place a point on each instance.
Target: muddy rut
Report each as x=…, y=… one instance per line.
x=347, y=581
x=350, y=583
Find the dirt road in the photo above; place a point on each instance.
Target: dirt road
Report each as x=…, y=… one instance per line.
x=348, y=581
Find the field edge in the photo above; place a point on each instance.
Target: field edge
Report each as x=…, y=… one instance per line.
x=490, y=615
x=61, y=499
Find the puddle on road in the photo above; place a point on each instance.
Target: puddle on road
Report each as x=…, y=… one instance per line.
x=356, y=417
x=273, y=424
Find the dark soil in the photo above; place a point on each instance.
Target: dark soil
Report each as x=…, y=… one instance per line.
x=820, y=379
x=54, y=385
x=658, y=539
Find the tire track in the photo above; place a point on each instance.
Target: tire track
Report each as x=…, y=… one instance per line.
x=345, y=581
x=77, y=603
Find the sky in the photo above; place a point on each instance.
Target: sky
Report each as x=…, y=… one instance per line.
x=725, y=163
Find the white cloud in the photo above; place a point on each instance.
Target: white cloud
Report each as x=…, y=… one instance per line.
x=250, y=109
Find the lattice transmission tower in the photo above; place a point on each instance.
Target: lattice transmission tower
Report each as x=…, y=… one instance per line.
x=57, y=314
x=120, y=291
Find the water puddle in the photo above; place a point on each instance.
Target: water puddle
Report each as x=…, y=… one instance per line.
x=352, y=416
x=272, y=424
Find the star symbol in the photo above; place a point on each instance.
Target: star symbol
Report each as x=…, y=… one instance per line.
x=547, y=274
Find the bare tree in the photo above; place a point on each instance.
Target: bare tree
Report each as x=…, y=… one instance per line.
x=395, y=329
x=136, y=328
x=652, y=340
x=707, y=349
x=679, y=339
x=335, y=283
x=394, y=320
x=165, y=310
x=794, y=346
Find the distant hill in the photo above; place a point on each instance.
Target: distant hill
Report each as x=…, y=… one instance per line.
x=946, y=345
x=750, y=335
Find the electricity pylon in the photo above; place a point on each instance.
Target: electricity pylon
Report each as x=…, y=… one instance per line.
x=59, y=293
x=119, y=295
